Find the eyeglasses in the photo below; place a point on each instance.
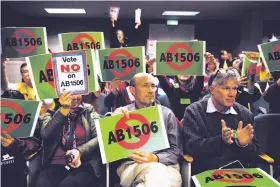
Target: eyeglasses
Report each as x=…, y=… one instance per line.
x=223, y=71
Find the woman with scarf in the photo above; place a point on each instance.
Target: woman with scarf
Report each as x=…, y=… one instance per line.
x=71, y=156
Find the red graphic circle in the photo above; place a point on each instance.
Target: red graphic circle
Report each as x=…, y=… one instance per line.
x=173, y=49
x=277, y=49
x=252, y=56
x=113, y=56
x=17, y=34
x=226, y=171
x=49, y=65
x=11, y=126
x=122, y=125
x=79, y=37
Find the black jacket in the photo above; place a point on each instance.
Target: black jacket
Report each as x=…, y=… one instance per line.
x=13, y=161
x=51, y=133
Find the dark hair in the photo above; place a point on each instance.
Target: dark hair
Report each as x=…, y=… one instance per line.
x=21, y=71
x=22, y=66
x=222, y=52
x=12, y=94
x=189, y=83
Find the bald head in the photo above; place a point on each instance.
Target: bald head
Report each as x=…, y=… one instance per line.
x=139, y=76
x=143, y=87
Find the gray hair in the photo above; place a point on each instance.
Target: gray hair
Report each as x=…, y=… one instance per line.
x=222, y=77
x=138, y=75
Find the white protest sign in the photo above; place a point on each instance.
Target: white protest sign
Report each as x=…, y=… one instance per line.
x=151, y=47
x=114, y=12
x=137, y=15
x=71, y=72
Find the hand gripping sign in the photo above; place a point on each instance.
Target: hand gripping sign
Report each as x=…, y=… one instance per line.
x=253, y=177
x=120, y=62
x=19, y=117
x=180, y=58
x=20, y=42
x=52, y=73
x=81, y=41
x=118, y=136
x=270, y=53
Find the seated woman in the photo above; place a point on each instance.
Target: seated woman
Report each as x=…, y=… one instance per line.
x=15, y=152
x=71, y=156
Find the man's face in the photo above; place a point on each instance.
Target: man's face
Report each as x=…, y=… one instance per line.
x=225, y=94
x=120, y=35
x=76, y=100
x=145, y=90
x=225, y=56
x=25, y=75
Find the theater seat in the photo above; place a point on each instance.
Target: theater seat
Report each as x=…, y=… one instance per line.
x=185, y=160
x=101, y=107
x=267, y=131
x=163, y=99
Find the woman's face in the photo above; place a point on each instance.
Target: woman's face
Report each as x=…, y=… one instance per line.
x=211, y=66
x=25, y=75
x=183, y=78
x=76, y=100
x=120, y=35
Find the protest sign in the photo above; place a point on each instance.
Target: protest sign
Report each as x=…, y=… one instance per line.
x=114, y=13
x=180, y=58
x=138, y=15
x=234, y=178
x=49, y=73
x=81, y=40
x=251, y=63
x=270, y=53
x=151, y=48
x=20, y=42
x=19, y=117
x=120, y=62
x=70, y=72
x=119, y=137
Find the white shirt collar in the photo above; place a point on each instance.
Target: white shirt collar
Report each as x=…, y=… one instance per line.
x=131, y=97
x=211, y=108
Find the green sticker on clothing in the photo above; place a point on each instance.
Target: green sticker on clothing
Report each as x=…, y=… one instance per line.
x=234, y=134
x=185, y=101
x=176, y=85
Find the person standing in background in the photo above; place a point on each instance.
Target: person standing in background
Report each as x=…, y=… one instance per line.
x=224, y=60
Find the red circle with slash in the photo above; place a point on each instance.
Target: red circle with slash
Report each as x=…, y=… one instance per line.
x=277, y=49
x=226, y=171
x=11, y=127
x=252, y=56
x=50, y=66
x=17, y=34
x=173, y=49
x=113, y=56
x=79, y=37
x=142, y=138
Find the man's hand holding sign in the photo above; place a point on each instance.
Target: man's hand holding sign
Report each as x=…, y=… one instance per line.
x=145, y=132
x=137, y=156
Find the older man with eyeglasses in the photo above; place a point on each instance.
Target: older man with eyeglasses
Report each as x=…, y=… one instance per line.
x=217, y=130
